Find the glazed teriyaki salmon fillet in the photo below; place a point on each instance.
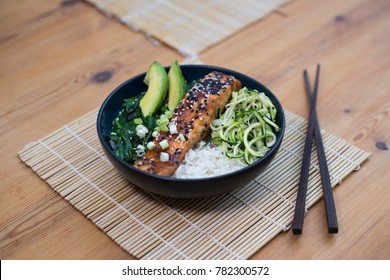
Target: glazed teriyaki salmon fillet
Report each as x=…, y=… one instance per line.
x=192, y=119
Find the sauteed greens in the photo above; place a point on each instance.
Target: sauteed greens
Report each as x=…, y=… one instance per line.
x=131, y=131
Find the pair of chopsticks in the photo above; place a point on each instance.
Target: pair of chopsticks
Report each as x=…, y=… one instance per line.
x=313, y=129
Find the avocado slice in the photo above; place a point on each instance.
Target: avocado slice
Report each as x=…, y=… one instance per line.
x=157, y=80
x=177, y=85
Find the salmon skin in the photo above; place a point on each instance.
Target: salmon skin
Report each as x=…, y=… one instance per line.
x=192, y=118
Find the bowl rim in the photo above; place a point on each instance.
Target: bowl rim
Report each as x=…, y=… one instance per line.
x=270, y=152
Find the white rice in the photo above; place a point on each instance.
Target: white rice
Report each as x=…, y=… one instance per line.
x=206, y=161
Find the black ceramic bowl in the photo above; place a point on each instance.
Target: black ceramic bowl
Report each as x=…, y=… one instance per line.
x=183, y=187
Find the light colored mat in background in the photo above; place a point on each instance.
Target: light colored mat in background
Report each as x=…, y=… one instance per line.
x=149, y=226
x=188, y=26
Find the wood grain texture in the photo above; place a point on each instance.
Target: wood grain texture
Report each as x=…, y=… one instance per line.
x=60, y=59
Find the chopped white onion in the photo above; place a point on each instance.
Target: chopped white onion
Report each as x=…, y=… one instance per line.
x=151, y=146
x=164, y=157
x=172, y=128
x=140, y=127
x=164, y=144
x=141, y=147
x=141, y=134
x=141, y=130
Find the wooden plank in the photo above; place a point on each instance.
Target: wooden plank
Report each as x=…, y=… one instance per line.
x=59, y=65
x=50, y=53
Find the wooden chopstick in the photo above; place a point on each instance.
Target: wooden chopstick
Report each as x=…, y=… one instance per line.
x=299, y=213
x=330, y=208
x=314, y=129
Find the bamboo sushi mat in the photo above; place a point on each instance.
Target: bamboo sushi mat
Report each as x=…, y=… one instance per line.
x=188, y=26
x=149, y=226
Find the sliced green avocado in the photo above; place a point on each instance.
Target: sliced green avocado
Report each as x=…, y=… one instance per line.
x=157, y=80
x=177, y=85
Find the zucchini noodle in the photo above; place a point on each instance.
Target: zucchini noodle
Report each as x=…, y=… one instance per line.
x=246, y=130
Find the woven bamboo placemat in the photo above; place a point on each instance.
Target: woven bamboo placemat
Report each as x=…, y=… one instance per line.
x=149, y=226
x=188, y=26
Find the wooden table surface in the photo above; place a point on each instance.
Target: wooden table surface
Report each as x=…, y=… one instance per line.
x=60, y=59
